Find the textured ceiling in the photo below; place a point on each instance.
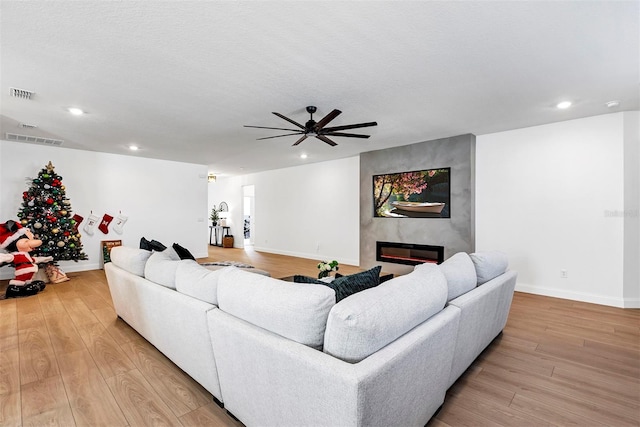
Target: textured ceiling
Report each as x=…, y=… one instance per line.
x=180, y=79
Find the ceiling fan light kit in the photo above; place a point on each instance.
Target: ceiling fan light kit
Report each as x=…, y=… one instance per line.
x=317, y=129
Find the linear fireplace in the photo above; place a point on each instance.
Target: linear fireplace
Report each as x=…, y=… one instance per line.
x=409, y=253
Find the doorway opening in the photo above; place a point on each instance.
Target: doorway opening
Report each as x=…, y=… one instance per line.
x=248, y=214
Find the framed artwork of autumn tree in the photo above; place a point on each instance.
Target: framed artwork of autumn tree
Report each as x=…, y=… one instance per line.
x=415, y=194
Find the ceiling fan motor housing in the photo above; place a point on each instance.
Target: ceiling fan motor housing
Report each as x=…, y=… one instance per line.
x=310, y=126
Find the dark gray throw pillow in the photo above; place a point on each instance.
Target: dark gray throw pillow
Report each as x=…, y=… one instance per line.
x=353, y=283
x=347, y=285
x=183, y=253
x=306, y=279
x=382, y=278
x=386, y=277
x=152, y=245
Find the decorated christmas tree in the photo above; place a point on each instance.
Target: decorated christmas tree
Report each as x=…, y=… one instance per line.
x=47, y=212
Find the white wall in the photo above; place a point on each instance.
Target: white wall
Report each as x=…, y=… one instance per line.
x=164, y=200
x=547, y=196
x=632, y=208
x=552, y=197
x=309, y=211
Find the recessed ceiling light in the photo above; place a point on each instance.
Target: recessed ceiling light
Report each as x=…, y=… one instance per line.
x=134, y=147
x=612, y=104
x=75, y=111
x=303, y=156
x=564, y=105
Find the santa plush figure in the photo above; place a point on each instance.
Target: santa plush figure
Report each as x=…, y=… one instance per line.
x=18, y=242
x=5, y=259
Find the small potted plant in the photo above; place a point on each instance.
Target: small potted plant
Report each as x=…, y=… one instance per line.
x=326, y=268
x=214, y=217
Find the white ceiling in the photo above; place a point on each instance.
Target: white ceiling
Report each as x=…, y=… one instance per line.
x=181, y=78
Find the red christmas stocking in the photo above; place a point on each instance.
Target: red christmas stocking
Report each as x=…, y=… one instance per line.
x=104, y=225
x=78, y=219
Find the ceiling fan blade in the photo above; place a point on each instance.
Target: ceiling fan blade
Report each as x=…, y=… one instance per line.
x=327, y=140
x=345, y=127
x=322, y=123
x=289, y=120
x=265, y=127
x=300, y=140
x=350, y=135
x=278, y=136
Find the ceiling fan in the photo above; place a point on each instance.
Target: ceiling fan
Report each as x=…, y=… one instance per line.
x=317, y=129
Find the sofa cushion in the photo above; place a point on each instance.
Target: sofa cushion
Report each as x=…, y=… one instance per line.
x=365, y=322
x=161, y=268
x=460, y=274
x=489, y=265
x=130, y=259
x=296, y=311
x=198, y=282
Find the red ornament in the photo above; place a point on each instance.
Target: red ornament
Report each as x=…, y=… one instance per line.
x=49, y=201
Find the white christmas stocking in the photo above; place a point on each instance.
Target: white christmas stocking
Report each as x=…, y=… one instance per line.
x=90, y=225
x=119, y=223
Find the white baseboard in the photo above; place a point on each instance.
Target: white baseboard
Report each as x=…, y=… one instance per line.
x=578, y=296
x=317, y=257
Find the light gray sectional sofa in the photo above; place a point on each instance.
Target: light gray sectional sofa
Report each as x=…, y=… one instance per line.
x=278, y=353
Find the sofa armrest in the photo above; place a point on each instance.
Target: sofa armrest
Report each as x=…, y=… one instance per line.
x=269, y=380
x=176, y=324
x=483, y=315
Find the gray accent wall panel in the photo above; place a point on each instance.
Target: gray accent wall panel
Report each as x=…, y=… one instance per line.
x=456, y=234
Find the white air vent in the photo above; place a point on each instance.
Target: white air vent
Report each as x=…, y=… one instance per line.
x=21, y=93
x=27, y=126
x=34, y=139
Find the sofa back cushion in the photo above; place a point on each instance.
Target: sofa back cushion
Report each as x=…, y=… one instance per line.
x=130, y=259
x=161, y=268
x=297, y=311
x=489, y=265
x=365, y=322
x=460, y=274
x=197, y=281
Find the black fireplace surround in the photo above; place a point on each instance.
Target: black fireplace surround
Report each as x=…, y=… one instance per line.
x=409, y=253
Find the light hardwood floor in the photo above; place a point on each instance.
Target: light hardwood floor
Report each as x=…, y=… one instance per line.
x=66, y=359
